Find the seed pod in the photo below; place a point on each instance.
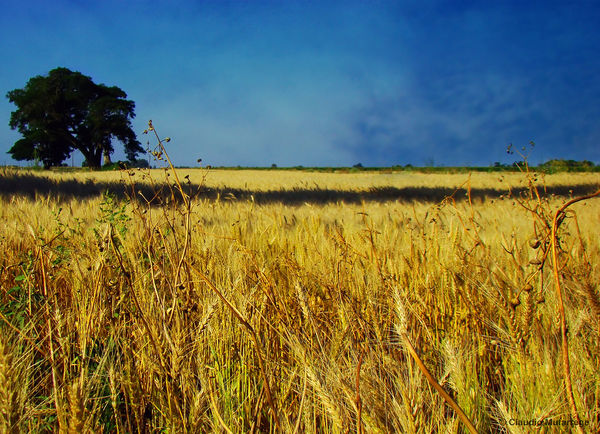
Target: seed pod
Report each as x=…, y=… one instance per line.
x=535, y=261
x=534, y=243
x=528, y=288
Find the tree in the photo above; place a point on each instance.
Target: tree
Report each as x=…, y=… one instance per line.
x=66, y=111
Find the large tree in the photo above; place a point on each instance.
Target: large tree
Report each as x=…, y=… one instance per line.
x=66, y=110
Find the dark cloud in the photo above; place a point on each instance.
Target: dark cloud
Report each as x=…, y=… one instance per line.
x=255, y=83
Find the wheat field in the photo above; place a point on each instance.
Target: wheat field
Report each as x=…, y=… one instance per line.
x=286, y=301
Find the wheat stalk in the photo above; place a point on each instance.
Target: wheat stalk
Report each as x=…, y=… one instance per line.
x=401, y=328
x=9, y=415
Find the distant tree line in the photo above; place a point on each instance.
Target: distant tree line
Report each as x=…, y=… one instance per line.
x=555, y=165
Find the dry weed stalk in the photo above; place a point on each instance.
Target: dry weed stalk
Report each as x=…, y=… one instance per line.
x=254, y=337
x=403, y=332
x=182, y=260
x=558, y=218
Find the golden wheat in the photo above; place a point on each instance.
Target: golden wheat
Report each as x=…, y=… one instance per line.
x=281, y=312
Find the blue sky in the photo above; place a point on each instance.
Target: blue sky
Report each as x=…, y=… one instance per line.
x=321, y=83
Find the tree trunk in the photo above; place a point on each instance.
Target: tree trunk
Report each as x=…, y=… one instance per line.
x=93, y=158
x=107, y=160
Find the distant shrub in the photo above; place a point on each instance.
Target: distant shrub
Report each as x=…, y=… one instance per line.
x=139, y=163
x=560, y=165
x=120, y=165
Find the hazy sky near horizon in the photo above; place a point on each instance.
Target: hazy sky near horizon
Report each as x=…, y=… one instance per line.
x=321, y=83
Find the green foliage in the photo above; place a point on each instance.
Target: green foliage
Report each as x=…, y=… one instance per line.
x=19, y=295
x=113, y=212
x=66, y=111
x=552, y=166
x=120, y=165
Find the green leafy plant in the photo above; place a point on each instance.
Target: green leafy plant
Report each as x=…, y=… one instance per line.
x=114, y=214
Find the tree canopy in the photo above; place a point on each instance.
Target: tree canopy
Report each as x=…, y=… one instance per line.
x=66, y=111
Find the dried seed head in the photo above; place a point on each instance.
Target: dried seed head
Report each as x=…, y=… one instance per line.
x=528, y=288
x=535, y=261
x=534, y=243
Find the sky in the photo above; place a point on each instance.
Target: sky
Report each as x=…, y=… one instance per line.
x=327, y=83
